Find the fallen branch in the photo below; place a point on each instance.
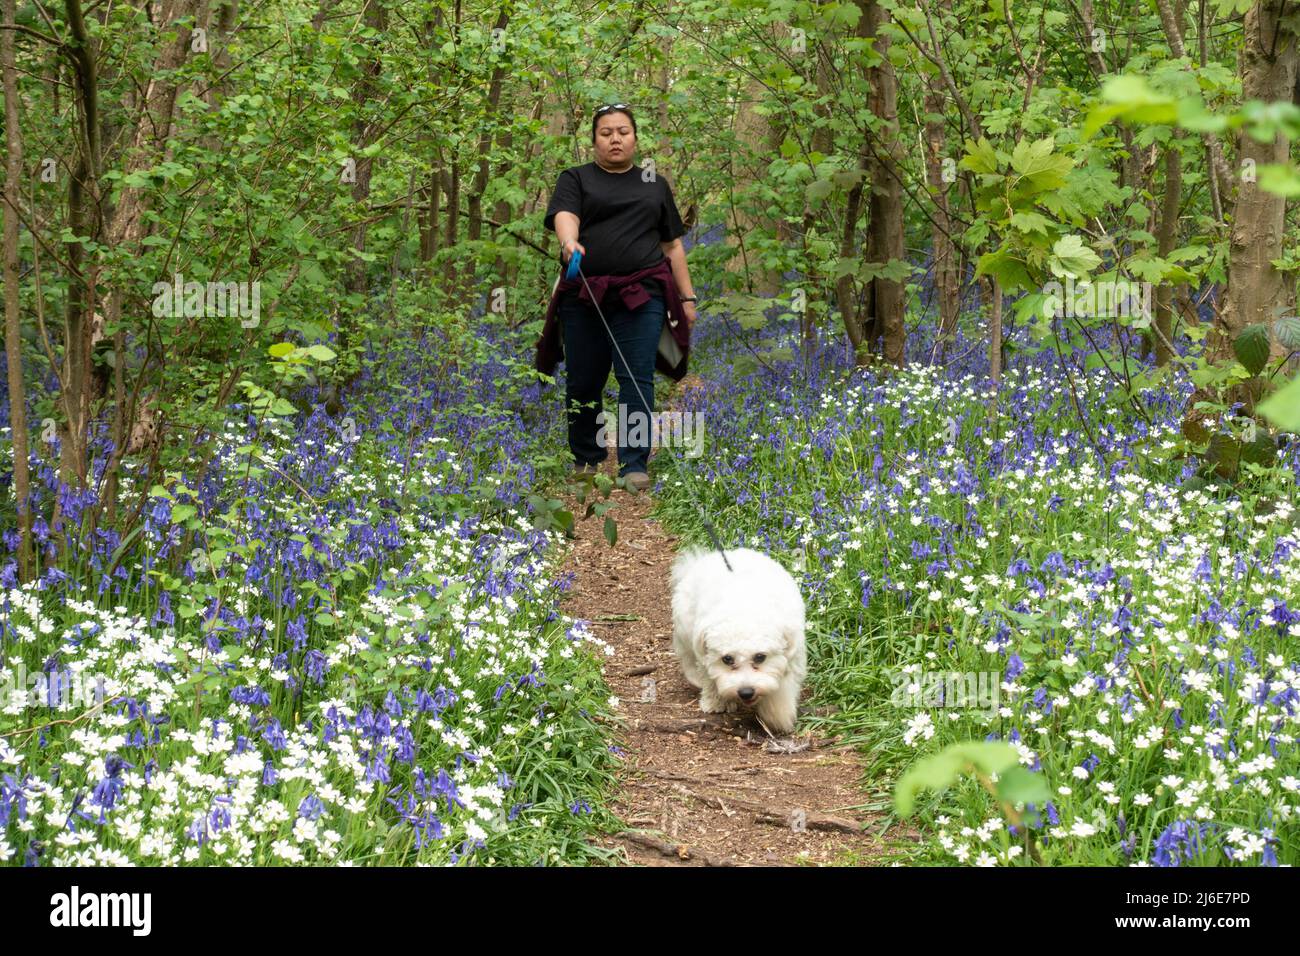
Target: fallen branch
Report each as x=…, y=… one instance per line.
x=694, y=725
x=811, y=819
x=679, y=851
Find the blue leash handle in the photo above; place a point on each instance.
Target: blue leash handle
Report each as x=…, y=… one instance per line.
x=574, y=261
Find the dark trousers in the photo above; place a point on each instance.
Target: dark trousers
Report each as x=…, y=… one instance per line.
x=588, y=355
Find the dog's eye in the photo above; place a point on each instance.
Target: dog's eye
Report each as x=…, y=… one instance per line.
x=759, y=658
x=728, y=659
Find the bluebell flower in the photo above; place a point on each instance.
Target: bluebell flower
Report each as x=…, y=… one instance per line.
x=1015, y=667
x=311, y=807
x=316, y=666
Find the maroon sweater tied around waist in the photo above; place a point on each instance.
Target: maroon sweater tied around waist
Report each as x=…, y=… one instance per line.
x=674, y=343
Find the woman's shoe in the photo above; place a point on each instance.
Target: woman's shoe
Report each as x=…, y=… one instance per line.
x=585, y=471
x=638, y=481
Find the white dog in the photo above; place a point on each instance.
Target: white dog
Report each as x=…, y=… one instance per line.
x=739, y=634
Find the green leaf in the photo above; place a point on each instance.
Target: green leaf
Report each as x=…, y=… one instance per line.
x=1195, y=118
x=895, y=270
x=1251, y=346
x=611, y=530
x=1036, y=306
x=1004, y=266
x=1279, y=179
x=1184, y=253
x=818, y=190
x=1260, y=450
x=281, y=349
x=975, y=235
x=1072, y=257
x=1031, y=222
x=1282, y=408
x=1130, y=97
x=844, y=266
x=847, y=178
x=1224, y=453
x=1036, y=163
x=980, y=157
x=946, y=767
x=1287, y=330
x=1149, y=268
x=1019, y=785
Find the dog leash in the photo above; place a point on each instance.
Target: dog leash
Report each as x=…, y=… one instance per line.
x=575, y=268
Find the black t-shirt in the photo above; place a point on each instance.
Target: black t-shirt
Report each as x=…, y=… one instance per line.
x=622, y=218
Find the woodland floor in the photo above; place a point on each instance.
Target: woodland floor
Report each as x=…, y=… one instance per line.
x=697, y=789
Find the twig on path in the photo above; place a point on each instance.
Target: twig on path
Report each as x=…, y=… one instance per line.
x=679, y=851
x=804, y=818
x=814, y=821
x=679, y=777
x=695, y=725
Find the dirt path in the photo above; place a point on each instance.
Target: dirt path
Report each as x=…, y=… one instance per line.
x=702, y=789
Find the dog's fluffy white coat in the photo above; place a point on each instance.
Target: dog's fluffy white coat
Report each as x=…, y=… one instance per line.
x=740, y=630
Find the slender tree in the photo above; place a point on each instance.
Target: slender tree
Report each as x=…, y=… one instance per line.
x=13, y=315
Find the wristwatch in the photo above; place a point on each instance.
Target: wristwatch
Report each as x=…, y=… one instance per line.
x=688, y=298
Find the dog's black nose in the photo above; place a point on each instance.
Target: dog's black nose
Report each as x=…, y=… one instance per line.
x=746, y=693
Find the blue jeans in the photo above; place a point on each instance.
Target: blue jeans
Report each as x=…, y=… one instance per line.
x=588, y=355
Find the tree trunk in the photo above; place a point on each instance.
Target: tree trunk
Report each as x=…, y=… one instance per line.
x=760, y=138
x=502, y=211
x=451, y=189
x=475, y=225
x=84, y=219
x=995, y=330
x=1220, y=177
x=355, y=276
x=823, y=141
x=1255, y=288
x=664, y=83
x=946, y=277
x=845, y=293
x=429, y=215
x=885, y=229
x=1168, y=239
x=13, y=317
x=127, y=225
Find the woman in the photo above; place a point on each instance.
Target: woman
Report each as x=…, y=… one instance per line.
x=623, y=222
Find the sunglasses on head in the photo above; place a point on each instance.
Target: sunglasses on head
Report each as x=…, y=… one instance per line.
x=611, y=106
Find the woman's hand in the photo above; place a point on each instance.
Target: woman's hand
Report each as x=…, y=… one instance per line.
x=688, y=309
x=566, y=250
